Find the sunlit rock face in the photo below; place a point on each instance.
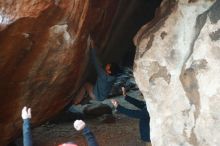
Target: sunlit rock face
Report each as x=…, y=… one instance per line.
x=177, y=67
x=43, y=54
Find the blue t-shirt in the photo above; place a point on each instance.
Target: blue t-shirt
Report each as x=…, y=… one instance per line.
x=104, y=81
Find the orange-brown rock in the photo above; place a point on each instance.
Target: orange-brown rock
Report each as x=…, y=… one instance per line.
x=43, y=54
x=44, y=48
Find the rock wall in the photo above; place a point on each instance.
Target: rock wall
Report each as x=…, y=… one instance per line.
x=43, y=55
x=44, y=48
x=177, y=68
x=38, y=56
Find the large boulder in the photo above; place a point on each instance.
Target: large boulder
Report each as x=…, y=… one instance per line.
x=44, y=47
x=43, y=55
x=177, y=68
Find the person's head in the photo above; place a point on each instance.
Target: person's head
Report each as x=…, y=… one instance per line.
x=111, y=69
x=68, y=144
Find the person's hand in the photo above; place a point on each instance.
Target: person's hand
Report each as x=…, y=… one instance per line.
x=79, y=125
x=26, y=113
x=123, y=91
x=115, y=103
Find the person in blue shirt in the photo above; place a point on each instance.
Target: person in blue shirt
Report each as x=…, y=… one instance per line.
x=105, y=79
x=78, y=125
x=141, y=114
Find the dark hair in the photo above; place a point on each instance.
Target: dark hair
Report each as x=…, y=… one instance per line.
x=114, y=68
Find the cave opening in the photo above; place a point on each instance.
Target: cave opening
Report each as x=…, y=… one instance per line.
x=128, y=20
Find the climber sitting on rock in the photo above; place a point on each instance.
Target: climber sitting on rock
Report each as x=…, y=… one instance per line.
x=105, y=80
x=78, y=125
x=142, y=115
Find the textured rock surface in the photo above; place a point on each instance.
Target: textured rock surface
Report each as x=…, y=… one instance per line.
x=44, y=47
x=43, y=51
x=39, y=58
x=177, y=68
